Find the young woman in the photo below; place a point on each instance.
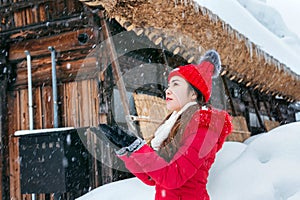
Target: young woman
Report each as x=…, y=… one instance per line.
x=178, y=158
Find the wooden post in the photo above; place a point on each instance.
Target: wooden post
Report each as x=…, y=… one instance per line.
x=117, y=72
x=267, y=109
x=229, y=96
x=256, y=110
x=276, y=109
x=4, y=139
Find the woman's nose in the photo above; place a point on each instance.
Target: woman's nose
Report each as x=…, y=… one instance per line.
x=168, y=91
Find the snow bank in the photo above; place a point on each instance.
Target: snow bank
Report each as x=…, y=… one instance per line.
x=265, y=167
x=131, y=189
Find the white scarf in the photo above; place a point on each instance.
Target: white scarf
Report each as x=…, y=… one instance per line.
x=164, y=130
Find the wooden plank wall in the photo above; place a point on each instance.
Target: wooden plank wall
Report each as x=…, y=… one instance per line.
x=3, y=137
x=77, y=91
x=70, y=55
x=78, y=96
x=78, y=107
x=26, y=12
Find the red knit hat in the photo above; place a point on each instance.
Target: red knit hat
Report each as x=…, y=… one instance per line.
x=200, y=76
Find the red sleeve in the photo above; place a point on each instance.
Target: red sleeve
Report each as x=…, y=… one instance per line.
x=191, y=155
x=171, y=175
x=227, y=129
x=136, y=170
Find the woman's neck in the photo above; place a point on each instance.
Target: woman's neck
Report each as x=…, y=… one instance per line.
x=182, y=109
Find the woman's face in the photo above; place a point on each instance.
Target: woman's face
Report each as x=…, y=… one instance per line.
x=178, y=93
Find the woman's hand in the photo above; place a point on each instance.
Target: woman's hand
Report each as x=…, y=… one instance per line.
x=115, y=134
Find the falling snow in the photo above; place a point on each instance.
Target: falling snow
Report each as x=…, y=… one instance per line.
x=243, y=170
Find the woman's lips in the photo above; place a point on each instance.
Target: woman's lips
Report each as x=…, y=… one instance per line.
x=168, y=99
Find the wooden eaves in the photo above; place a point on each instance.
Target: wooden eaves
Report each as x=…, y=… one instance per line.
x=187, y=29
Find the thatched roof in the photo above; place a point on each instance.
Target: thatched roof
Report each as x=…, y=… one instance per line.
x=189, y=29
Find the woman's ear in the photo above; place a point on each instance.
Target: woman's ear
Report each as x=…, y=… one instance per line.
x=194, y=95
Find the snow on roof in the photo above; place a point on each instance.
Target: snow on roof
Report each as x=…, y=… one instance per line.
x=253, y=19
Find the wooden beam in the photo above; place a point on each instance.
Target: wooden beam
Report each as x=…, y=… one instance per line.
x=154, y=35
x=4, y=126
x=138, y=31
x=171, y=45
x=188, y=55
x=232, y=77
x=267, y=109
x=234, y=113
x=17, y=5
x=4, y=152
x=73, y=57
x=223, y=72
x=44, y=27
x=14, y=121
x=39, y=47
x=116, y=71
x=248, y=84
x=276, y=109
x=256, y=87
x=256, y=110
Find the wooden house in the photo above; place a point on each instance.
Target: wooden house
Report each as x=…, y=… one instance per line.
x=104, y=51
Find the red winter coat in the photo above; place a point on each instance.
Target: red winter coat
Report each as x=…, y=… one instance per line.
x=185, y=176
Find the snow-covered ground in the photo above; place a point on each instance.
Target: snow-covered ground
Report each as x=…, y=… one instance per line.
x=263, y=167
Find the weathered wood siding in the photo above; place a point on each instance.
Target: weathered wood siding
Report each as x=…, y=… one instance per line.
x=22, y=13
x=78, y=107
x=34, y=26
x=78, y=92
x=3, y=138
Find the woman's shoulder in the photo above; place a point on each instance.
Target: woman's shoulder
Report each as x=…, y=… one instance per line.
x=208, y=116
x=204, y=110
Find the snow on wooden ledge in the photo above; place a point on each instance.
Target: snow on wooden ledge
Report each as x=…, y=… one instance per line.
x=38, y=131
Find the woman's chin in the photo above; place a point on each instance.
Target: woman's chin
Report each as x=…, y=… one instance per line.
x=170, y=108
